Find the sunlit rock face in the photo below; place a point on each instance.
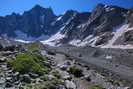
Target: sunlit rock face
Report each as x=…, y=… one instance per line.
x=95, y=28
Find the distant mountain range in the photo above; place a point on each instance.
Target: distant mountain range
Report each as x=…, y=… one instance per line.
x=106, y=27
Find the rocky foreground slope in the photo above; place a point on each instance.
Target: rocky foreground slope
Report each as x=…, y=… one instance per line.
x=85, y=57
x=33, y=66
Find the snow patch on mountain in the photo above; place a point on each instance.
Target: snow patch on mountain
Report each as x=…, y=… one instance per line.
x=75, y=42
x=59, y=18
x=128, y=46
x=23, y=41
x=119, y=32
x=108, y=9
x=54, y=40
x=91, y=40
x=22, y=37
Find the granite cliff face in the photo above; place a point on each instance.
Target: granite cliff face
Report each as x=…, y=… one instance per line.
x=34, y=23
x=103, y=26
x=102, y=20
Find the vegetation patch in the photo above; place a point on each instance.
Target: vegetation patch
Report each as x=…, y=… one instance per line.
x=29, y=62
x=96, y=87
x=77, y=72
x=68, y=57
x=45, y=85
x=35, y=46
x=44, y=77
x=52, y=84
x=1, y=70
x=56, y=74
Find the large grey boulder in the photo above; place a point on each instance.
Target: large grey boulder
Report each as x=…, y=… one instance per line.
x=70, y=84
x=3, y=59
x=25, y=78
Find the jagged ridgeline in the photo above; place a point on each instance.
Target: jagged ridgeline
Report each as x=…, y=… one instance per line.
x=36, y=22
x=130, y=18
x=33, y=65
x=42, y=23
x=97, y=28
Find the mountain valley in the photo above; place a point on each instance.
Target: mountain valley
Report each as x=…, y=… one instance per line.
x=74, y=50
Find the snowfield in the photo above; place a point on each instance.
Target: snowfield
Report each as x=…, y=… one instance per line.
x=22, y=37
x=55, y=39
x=119, y=32
x=52, y=41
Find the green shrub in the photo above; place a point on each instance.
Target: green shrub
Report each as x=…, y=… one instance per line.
x=56, y=74
x=28, y=62
x=68, y=57
x=96, y=87
x=34, y=46
x=1, y=70
x=52, y=84
x=49, y=86
x=44, y=77
x=77, y=72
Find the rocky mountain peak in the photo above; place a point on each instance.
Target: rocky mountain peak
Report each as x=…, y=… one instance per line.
x=130, y=17
x=37, y=6
x=70, y=12
x=95, y=28
x=39, y=9
x=42, y=23
x=32, y=23
x=68, y=15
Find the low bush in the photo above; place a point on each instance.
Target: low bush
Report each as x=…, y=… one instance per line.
x=44, y=77
x=96, y=87
x=56, y=74
x=77, y=72
x=52, y=84
x=28, y=62
x=45, y=85
x=35, y=46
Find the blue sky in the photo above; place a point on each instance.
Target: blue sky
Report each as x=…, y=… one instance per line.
x=59, y=6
